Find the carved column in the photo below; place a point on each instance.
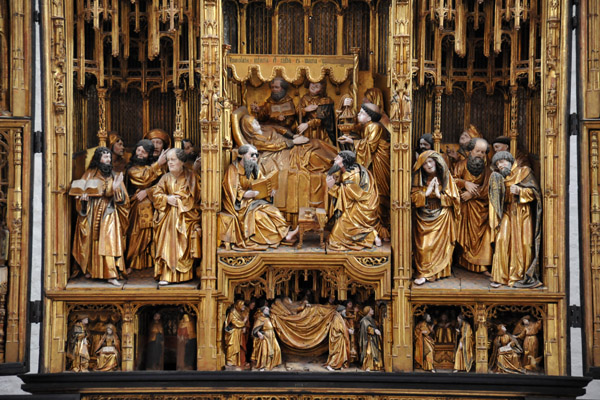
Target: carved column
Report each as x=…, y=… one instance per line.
x=128, y=337
x=210, y=125
x=56, y=332
x=514, y=114
x=400, y=182
x=437, y=122
x=15, y=225
x=19, y=69
x=554, y=91
x=178, y=134
x=481, y=339
x=102, y=131
x=553, y=360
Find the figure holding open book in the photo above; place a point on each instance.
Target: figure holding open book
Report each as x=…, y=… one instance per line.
x=257, y=223
x=102, y=217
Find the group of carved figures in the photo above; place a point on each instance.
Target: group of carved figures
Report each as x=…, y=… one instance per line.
x=144, y=212
x=286, y=160
x=252, y=335
x=138, y=213
x=106, y=354
x=490, y=206
x=515, y=353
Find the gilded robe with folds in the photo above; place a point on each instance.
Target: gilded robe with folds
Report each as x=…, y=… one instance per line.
x=474, y=232
x=304, y=327
x=140, y=253
x=301, y=167
x=266, y=353
x=464, y=355
x=506, y=355
x=272, y=108
x=434, y=228
x=516, y=224
x=373, y=152
x=178, y=232
x=155, y=348
x=424, y=346
x=371, y=356
x=100, y=231
x=355, y=205
x=528, y=335
x=79, y=348
x=235, y=338
x=257, y=224
x=108, y=351
x=186, y=344
x=321, y=122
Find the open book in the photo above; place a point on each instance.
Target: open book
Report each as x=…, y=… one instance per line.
x=266, y=185
x=91, y=187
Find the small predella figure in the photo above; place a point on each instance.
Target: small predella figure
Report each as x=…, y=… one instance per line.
x=464, y=354
x=424, y=344
x=108, y=350
x=371, y=355
x=79, y=345
x=156, y=345
x=527, y=331
x=355, y=205
x=186, y=344
x=178, y=233
x=266, y=353
x=436, y=202
x=235, y=335
x=443, y=330
x=506, y=354
x=102, y=215
x=515, y=218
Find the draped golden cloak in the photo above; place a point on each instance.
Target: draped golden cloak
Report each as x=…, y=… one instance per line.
x=305, y=327
x=266, y=353
x=140, y=252
x=235, y=337
x=178, y=235
x=373, y=153
x=79, y=352
x=516, y=223
x=355, y=203
x=474, y=232
x=424, y=346
x=464, y=355
x=284, y=106
x=301, y=167
x=257, y=224
x=321, y=122
x=108, y=351
x=434, y=229
x=506, y=355
x=99, y=240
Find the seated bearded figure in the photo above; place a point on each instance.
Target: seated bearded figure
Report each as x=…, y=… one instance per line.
x=301, y=163
x=257, y=224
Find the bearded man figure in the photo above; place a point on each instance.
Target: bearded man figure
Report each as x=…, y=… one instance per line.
x=355, y=205
x=257, y=223
x=119, y=157
x=141, y=175
x=102, y=218
x=176, y=199
x=515, y=218
x=471, y=176
x=279, y=108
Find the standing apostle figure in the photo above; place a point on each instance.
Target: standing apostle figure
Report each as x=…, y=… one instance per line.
x=141, y=175
x=474, y=234
x=437, y=205
x=515, y=217
x=178, y=234
x=102, y=218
